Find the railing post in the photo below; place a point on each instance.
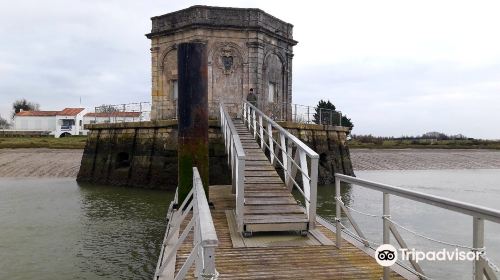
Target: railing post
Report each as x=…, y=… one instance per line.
x=261, y=132
x=289, y=164
x=478, y=242
x=308, y=114
x=254, y=122
x=209, y=263
x=284, y=159
x=249, y=112
x=244, y=113
x=386, y=229
x=271, y=142
x=338, y=226
x=313, y=192
x=240, y=191
x=196, y=234
x=234, y=170
x=140, y=110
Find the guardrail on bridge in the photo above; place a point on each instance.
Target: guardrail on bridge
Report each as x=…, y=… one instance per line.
x=205, y=239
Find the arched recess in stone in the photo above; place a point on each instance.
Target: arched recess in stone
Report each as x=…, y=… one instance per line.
x=167, y=98
x=274, y=84
x=226, y=60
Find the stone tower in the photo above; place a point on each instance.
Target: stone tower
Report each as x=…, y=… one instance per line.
x=247, y=49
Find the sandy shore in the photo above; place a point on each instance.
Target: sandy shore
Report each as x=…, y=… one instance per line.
x=422, y=159
x=39, y=162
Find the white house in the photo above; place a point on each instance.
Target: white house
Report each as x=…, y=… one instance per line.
x=69, y=121
x=59, y=123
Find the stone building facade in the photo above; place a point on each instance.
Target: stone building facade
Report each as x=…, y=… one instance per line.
x=247, y=49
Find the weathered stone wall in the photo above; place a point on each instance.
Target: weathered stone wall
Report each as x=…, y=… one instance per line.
x=330, y=142
x=151, y=149
x=247, y=48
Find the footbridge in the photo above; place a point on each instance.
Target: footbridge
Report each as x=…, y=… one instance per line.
x=264, y=225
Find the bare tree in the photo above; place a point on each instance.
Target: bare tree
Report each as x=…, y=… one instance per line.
x=25, y=105
x=4, y=124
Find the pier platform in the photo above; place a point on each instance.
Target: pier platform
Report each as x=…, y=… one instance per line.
x=279, y=256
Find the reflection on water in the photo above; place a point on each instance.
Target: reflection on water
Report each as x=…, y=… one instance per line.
x=55, y=229
x=474, y=186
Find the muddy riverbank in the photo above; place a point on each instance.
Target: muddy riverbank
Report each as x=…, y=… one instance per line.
x=66, y=162
x=40, y=162
x=424, y=159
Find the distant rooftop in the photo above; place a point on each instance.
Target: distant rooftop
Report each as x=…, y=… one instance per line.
x=65, y=112
x=220, y=18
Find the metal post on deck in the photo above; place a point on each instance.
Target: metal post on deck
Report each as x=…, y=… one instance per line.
x=261, y=134
x=192, y=115
x=386, y=230
x=478, y=242
x=338, y=226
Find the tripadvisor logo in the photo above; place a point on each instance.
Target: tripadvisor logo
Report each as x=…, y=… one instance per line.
x=387, y=255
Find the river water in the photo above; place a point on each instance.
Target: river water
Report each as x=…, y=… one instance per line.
x=57, y=229
x=477, y=186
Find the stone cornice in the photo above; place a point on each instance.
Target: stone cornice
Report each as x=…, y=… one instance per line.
x=208, y=17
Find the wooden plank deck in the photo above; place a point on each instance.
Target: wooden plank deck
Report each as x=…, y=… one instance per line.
x=283, y=262
x=269, y=205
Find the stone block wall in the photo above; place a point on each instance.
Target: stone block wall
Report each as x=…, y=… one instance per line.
x=144, y=154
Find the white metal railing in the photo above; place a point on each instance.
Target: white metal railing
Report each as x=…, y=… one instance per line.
x=236, y=160
x=168, y=109
x=205, y=239
x=295, y=155
x=282, y=111
x=482, y=266
x=116, y=113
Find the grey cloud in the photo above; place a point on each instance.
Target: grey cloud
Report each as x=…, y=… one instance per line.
x=54, y=52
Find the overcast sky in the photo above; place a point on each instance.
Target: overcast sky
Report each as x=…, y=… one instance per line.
x=394, y=67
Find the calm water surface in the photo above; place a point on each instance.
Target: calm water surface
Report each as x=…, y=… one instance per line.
x=56, y=229
x=480, y=186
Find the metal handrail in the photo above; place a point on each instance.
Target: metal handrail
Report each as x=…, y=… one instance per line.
x=236, y=160
x=205, y=238
x=478, y=213
x=438, y=201
x=295, y=155
x=280, y=129
x=111, y=112
x=299, y=113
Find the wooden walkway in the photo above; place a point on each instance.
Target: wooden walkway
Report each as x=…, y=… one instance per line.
x=282, y=262
x=269, y=205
